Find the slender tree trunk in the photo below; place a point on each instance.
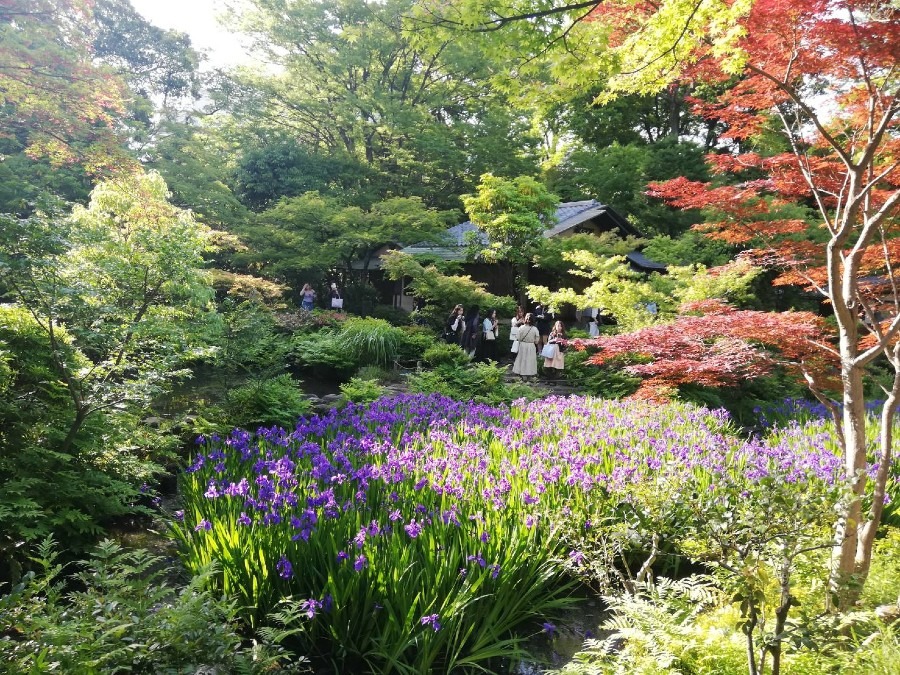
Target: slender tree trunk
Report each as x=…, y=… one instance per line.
x=866, y=539
x=81, y=414
x=781, y=614
x=675, y=99
x=843, y=582
x=518, y=281
x=749, y=627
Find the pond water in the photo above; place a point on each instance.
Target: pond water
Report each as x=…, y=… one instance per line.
x=206, y=387
x=576, y=625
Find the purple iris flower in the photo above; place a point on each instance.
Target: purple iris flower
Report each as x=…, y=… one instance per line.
x=284, y=567
x=432, y=620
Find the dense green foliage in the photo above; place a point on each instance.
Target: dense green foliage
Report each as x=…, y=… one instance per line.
x=266, y=402
x=45, y=490
x=102, y=301
x=128, y=325
x=122, y=616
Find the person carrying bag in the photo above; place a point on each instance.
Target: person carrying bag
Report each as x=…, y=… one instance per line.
x=453, y=326
x=337, y=302
x=527, y=337
x=553, y=351
x=489, y=337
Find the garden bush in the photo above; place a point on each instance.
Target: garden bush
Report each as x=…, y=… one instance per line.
x=417, y=340
x=443, y=354
x=743, y=400
x=121, y=616
x=371, y=341
x=358, y=390
x=45, y=490
x=378, y=374
x=247, y=341
x=483, y=382
x=277, y=400
x=604, y=381
x=303, y=321
x=360, y=342
x=324, y=356
x=393, y=315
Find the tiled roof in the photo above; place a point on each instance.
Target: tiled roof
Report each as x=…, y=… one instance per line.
x=640, y=260
x=568, y=215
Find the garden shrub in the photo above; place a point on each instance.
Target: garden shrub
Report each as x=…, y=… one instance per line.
x=303, y=321
x=358, y=390
x=433, y=382
x=361, y=342
x=659, y=631
x=247, y=341
x=484, y=382
x=44, y=490
x=744, y=400
x=690, y=626
x=273, y=401
x=324, y=356
x=417, y=340
x=604, y=381
x=371, y=341
x=443, y=354
x=393, y=315
x=878, y=656
x=123, y=617
x=883, y=583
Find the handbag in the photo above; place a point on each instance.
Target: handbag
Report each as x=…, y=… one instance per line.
x=549, y=351
x=490, y=335
x=515, y=348
x=337, y=303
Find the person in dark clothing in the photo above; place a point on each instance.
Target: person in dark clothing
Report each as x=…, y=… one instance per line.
x=543, y=318
x=453, y=327
x=472, y=333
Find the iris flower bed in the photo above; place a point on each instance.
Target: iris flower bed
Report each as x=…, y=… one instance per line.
x=419, y=534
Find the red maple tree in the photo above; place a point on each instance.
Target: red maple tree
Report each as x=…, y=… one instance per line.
x=715, y=345
x=55, y=96
x=825, y=76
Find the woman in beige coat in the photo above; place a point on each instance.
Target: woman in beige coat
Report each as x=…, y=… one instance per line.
x=525, y=365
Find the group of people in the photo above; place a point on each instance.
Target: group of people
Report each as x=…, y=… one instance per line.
x=473, y=332
x=308, y=297
x=530, y=334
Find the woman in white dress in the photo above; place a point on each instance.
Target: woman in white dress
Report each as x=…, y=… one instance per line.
x=527, y=337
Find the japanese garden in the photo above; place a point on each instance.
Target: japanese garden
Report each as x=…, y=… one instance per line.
x=451, y=337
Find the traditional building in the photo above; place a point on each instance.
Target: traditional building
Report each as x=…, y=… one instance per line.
x=584, y=217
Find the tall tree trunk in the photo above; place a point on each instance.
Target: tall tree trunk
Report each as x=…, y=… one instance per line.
x=867, y=531
x=518, y=281
x=675, y=99
x=81, y=414
x=843, y=584
x=782, y=612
